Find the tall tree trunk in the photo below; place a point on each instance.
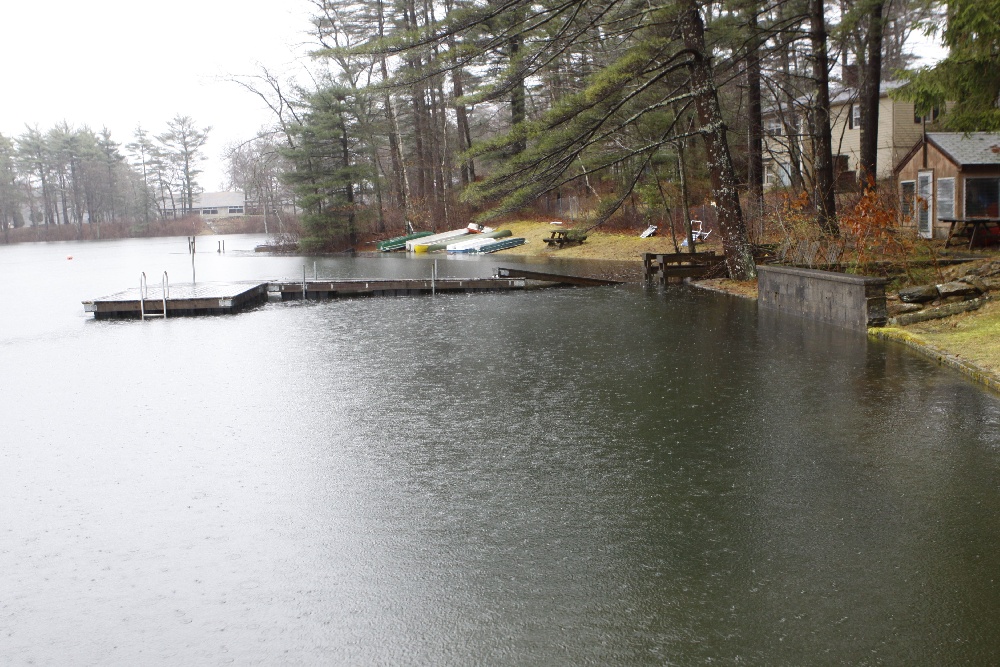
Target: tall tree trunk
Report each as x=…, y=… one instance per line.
x=420, y=124
x=823, y=178
x=755, y=125
x=682, y=177
x=869, y=98
x=791, y=127
x=64, y=199
x=468, y=168
x=46, y=196
x=517, y=94
x=395, y=151
x=735, y=243
x=437, y=127
x=345, y=157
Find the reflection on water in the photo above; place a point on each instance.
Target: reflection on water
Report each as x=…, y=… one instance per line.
x=606, y=476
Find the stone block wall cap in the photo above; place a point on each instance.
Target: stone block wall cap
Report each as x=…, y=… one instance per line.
x=823, y=275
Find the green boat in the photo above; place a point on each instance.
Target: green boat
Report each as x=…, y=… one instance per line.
x=399, y=242
x=502, y=244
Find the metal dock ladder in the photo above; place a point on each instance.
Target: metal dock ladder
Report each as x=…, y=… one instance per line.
x=144, y=295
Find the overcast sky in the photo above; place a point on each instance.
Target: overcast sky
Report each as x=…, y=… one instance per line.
x=118, y=63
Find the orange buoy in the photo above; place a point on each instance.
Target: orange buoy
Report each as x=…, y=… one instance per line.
x=69, y=256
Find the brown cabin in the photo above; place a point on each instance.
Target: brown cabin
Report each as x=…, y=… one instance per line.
x=949, y=175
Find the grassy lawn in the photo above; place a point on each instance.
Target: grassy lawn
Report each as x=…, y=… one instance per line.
x=599, y=245
x=972, y=336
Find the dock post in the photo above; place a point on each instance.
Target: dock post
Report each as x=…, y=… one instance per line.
x=303, y=282
x=191, y=249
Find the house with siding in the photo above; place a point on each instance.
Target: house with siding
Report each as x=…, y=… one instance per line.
x=219, y=204
x=949, y=175
x=787, y=136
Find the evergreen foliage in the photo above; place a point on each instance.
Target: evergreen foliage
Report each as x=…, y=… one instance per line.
x=326, y=174
x=969, y=78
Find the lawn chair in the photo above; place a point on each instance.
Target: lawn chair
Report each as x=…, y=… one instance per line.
x=697, y=232
x=698, y=235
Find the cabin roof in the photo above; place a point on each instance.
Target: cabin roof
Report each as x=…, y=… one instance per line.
x=973, y=148
x=838, y=96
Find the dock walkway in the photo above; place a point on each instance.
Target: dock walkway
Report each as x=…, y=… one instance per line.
x=334, y=289
x=227, y=298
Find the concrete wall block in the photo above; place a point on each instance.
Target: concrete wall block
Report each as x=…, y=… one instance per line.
x=854, y=302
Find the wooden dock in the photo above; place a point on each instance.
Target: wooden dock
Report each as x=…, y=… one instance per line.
x=179, y=300
x=555, y=278
x=336, y=289
x=228, y=298
x=681, y=265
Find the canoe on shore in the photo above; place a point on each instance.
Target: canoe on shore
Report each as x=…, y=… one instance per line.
x=473, y=244
x=399, y=242
x=501, y=244
x=420, y=245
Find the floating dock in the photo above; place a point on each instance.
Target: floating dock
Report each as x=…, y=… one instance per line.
x=228, y=298
x=179, y=300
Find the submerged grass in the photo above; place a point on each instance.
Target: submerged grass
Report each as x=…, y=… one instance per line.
x=974, y=336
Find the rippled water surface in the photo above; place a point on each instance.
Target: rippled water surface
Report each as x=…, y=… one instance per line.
x=573, y=476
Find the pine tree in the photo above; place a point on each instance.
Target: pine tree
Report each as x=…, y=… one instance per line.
x=325, y=173
x=969, y=78
x=181, y=145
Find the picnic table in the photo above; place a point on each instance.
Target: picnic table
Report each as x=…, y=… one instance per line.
x=972, y=228
x=561, y=237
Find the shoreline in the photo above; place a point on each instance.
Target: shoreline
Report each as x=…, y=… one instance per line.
x=973, y=371
x=626, y=248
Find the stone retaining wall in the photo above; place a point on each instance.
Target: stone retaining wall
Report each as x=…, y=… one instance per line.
x=854, y=302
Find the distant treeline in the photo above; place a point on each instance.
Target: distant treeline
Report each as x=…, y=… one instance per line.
x=76, y=177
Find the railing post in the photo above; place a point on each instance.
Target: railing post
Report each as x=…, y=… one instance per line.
x=166, y=292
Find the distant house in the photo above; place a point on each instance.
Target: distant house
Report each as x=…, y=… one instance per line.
x=949, y=175
x=786, y=135
x=219, y=204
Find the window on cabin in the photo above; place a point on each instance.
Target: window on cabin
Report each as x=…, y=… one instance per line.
x=982, y=197
x=907, y=195
x=854, y=121
x=925, y=203
x=209, y=211
x=930, y=118
x=773, y=127
x=945, y=198
x=235, y=209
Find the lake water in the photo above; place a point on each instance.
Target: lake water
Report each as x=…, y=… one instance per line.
x=600, y=476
